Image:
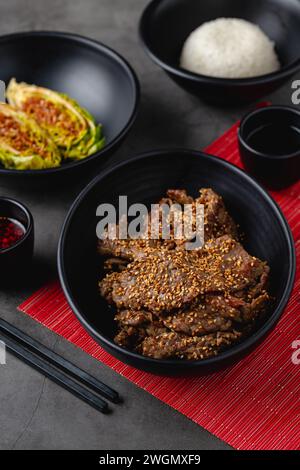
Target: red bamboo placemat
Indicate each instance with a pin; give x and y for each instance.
(252, 405)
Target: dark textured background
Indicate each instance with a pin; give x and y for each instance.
(35, 413)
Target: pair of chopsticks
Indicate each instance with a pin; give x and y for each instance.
(55, 367)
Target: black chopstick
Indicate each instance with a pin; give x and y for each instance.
(59, 362)
(60, 369)
(41, 365)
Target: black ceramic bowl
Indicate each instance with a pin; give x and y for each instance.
(145, 180)
(165, 25)
(90, 72)
(15, 260)
(269, 142)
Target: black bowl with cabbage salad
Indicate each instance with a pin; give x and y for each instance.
(41, 128)
(63, 109)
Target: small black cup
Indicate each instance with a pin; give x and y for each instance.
(14, 260)
(269, 143)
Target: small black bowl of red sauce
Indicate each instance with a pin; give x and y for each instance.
(269, 142)
(16, 239)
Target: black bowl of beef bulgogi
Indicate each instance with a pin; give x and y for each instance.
(160, 307)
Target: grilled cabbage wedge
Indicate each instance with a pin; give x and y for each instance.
(23, 144)
(72, 128)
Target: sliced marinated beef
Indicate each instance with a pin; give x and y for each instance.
(164, 282)
(213, 313)
(217, 223)
(174, 345)
(175, 303)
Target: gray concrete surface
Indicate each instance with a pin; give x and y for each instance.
(34, 412)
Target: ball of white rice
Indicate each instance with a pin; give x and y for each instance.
(229, 48)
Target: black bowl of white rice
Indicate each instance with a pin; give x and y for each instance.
(225, 51)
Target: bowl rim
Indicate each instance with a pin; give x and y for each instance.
(283, 72)
(228, 354)
(28, 230)
(265, 110)
(102, 48)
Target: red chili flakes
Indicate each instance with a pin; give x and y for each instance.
(11, 232)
